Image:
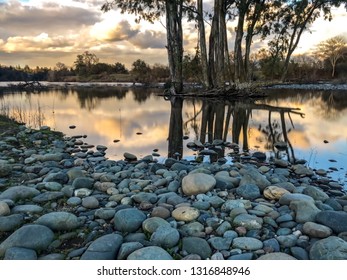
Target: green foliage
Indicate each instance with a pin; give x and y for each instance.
(140, 71)
(85, 62)
(10, 73)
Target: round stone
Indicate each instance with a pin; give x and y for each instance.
(4, 209)
(59, 221)
(248, 191)
(129, 156)
(90, 202)
(247, 243)
(197, 183)
(305, 211)
(165, 237)
(316, 230)
(274, 192)
(5, 170)
(331, 248)
(315, 193)
(40, 238)
(248, 221)
(185, 213)
(128, 220)
(161, 212)
(83, 182)
(152, 224)
(277, 256)
(196, 245)
(150, 253)
(336, 220)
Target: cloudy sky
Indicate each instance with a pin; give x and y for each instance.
(44, 32)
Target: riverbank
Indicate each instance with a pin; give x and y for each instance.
(305, 86)
(61, 198)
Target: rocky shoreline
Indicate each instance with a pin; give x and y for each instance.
(61, 198)
(311, 86)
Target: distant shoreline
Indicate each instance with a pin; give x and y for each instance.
(304, 86)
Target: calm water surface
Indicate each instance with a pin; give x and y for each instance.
(313, 123)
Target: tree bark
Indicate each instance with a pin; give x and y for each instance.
(202, 45)
(217, 45)
(238, 63)
(175, 138)
(175, 43)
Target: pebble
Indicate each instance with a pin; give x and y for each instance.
(196, 245)
(165, 237)
(185, 213)
(4, 209)
(128, 220)
(193, 184)
(77, 204)
(247, 243)
(103, 248)
(150, 253)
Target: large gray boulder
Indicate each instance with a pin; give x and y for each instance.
(336, 220)
(128, 220)
(331, 248)
(40, 238)
(197, 183)
(104, 248)
(150, 253)
(59, 221)
(19, 193)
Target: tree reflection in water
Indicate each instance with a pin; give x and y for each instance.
(220, 120)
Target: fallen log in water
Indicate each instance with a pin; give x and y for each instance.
(230, 92)
(27, 86)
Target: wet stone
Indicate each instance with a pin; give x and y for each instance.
(41, 238)
(128, 220)
(150, 253)
(247, 243)
(196, 245)
(11, 222)
(150, 225)
(59, 221)
(4, 209)
(17, 253)
(165, 237)
(104, 248)
(185, 213)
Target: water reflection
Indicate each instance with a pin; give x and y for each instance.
(302, 120)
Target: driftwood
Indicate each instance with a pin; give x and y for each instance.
(230, 92)
(27, 86)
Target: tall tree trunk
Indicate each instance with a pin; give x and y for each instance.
(247, 67)
(175, 43)
(202, 45)
(298, 29)
(240, 75)
(175, 144)
(217, 45)
(258, 10)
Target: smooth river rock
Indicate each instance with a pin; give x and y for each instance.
(336, 220)
(19, 193)
(197, 183)
(104, 248)
(128, 220)
(331, 248)
(40, 238)
(274, 192)
(316, 230)
(277, 256)
(185, 213)
(150, 253)
(59, 221)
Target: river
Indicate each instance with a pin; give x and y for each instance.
(312, 123)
